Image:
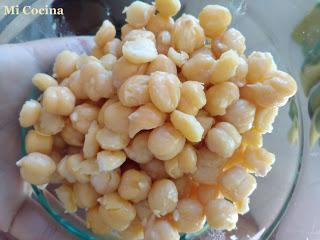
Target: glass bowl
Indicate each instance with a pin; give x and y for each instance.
(256, 20)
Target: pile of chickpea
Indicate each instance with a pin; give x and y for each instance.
(158, 132)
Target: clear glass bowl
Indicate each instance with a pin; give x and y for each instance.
(256, 20)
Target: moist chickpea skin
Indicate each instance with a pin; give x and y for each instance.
(106, 182)
(163, 42)
(110, 160)
(91, 145)
(179, 58)
(86, 196)
(110, 140)
(82, 116)
(66, 195)
(168, 8)
(106, 33)
(158, 23)
(138, 150)
(30, 113)
(65, 64)
(113, 47)
(95, 222)
(155, 169)
(36, 142)
(162, 64)
(42, 81)
(138, 14)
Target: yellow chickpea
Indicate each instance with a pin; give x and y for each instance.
(220, 97)
(157, 229)
(168, 8)
(243, 206)
(179, 58)
(113, 47)
(133, 232)
(30, 113)
(109, 140)
(236, 184)
(116, 212)
(76, 85)
(145, 117)
(106, 182)
(66, 195)
(163, 42)
(64, 171)
(264, 119)
(97, 52)
(95, 222)
(71, 169)
(58, 100)
(205, 193)
(172, 168)
(36, 142)
(138, 14)
(139, 51)
(102, 110)
(136, 34)
(91, 145)
(82, 116)
(138, 149)
(36, 168)
(163, 64)
(108, 60)
(86, 196)
(42, 81)
(221, 214)
(165, 142)
(49, 124)
(106, 33)
(164, 90)
(206, 121)
(134, 91)
(143, 211)
(84, 59)
(158, 23)
(187, 34)
(184, 186)
(252, 138)
(125, 29)
(110, 160)
(214, 19)
(72, 136)
(241, 73)
(65, 64)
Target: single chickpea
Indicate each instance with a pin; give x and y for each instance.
(65, 64)
(220, 97)
(106, 33)
(95, 222)
(91, 145)
(86, 196)
(125, 29)
(122, 69)
(82, 116)
(221, 214)
(172, 168)
(179, 58)
(158, 23)
(163, 197)
(133, 232)
(72, 136)
(187, 34)
(76, 85)
(49, 124)
(138, 14)
(116, 212)
(113, 47)
(163, 42)
(106, 182)
(138, 150)
(110, 160)
(252, 138)
(199, 68)
(136, 34)
(84, 59)
(225, 67)
(241, 115)
(64, 171)
(206, 193)
(264, 119)
(184, 186)
(30, 113)
(164, 90)
(241, 73)
(145, 117)
(102, 110)
(97, 52)
(165, 142)
(108, 60)
(188, 159)
(209, 166)
(42, 81)
(155, 169)
(36, 168)
(116, 117)
(243, 206)
(66, 195)
(87, 168)
(109, 140)
(36, 142)
(139, 51)
(236, 184)
(189, 216)
(58, 100)
(162, 64)
(143, 211)
(214, 19)
(168, 8)
(157, 229)
(206, 121)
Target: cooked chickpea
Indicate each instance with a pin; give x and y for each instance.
(163, 197)
(162, 64)
(36, 168)
(223, 139)
(97, 52)
(66, 195)
(58, 100)
(252, 138)
(72, 136)
(64, 171)
(236, 184)
(164, 90)
(143, 211)
(137, 34)
(84, 59)
(65, 64)
(42, 81)
(106, 33)
(172, 168)
(49, 124)
(187, 34)
(163, 42)
(157, 229)
(76, 86)
(30, 113)
(206, 121)
(221, 96)
(106, 182)
(205, 193)
(116, 212)
(91, 145)
(214, 19)
(113, 47)
(264, 119)
(95, 222)
(82, 116)
(108, 60)
(221, 214)
(189, 216)
(243, 206)
(241, 73)
(133, 232)
(138, 14)
(241, 115)
(155, 169)
(72, 170)
(36, 142)
(125, 29)
(116, 117)
(134, 91)
(168, 8)
(179, 58)
(158, 23)
(86, 196)
(87, 168)
(145, 117)
(102, 110)
(110, 160)
(184, 186)
(112, 141)
(138, 150)
(139, 51)
(165, 142)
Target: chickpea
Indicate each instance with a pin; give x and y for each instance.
(225, 67)
(221, 214)
(84, 59)
(116, 212)
(199, 68)
(58, 100)
(179, 58)
(184, 186)
(172, 168)
(95, 222)
(264, 119)
(86, 196)
(30, 113)
(125, 29)
(139, 51)
(133, 232)
(102, 110)
(42, 81)
(189, 216)
(163, 197)
(206, 121)
(155, 169)
(64, 171)
(158, 23)
(236, 184)
(116, 117)
(163, 42)
(136, 34)
(187, 34)
(252, 138)
(87, 168)
(134, 91)
(82, 116)
(113, 47)
(164, 90)
(66, 195)
(122, 69)
(192, 97)
(108, 60)
(106, 182)
(97, 52)
(49, 124)
(72, 170)
(241, 73)
(138, 149)
(203, 51)
(138, 14)
(65, 64)
(209, 166)
(168, 8)
(36, 168)
(106, 33)
(241, 115)
(214, 19)
(36, 142)
(109, 161)
(145, 117)
(143, 211)
(160, 230)
(91, 145)
(72, 136)
(162, 64)
(109, 140)
(243, 206)
(76, 85)
(206, 193)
